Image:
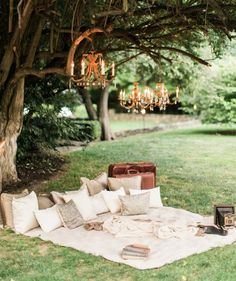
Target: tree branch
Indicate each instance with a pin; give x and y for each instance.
(23, 72)
(193, 57)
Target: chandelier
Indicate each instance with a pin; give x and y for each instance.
(148, 99)
(92, 71)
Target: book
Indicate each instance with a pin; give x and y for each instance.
(125, 252)
(135, 251)
(127, 257)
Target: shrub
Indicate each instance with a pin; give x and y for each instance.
(43, 125)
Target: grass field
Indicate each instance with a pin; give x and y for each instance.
(196, 169)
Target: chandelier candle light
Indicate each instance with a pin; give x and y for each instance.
(148, 99)
(92, 71)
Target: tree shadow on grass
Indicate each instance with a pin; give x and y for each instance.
(214, 131)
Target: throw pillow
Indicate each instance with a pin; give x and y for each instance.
(44, 202)
(112, 199)
(58, 197)
(155, 196)
(6, 205)
(70, 215)
(135, 204)
(99, 204)
(23, 212)
(97, 185)
(127, 183)
(48, 219)
(83, 203)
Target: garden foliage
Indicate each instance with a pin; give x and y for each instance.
(45, 125)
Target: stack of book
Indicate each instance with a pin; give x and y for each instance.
(135, 252)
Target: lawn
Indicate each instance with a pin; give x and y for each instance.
(196, 169)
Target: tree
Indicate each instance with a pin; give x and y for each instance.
(37, 37)
(211, 92)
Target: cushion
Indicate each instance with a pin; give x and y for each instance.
(58, 197)
(155, 196)
(70, 215)
(99, 204)
(135, 204)
(112, 199)
(23, 212)
(94, 187)
(6, 205)
(48, 219)
(83, 203)
(127, 183)
(44, 202)
(97, 185)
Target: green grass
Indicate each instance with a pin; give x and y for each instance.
(195, 169)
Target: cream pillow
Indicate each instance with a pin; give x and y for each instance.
(99, 204)
(58, 197)
(83, 203)
(48, 219)
(155, 196)
(97, 185)
(44, 202)
(6, 206)
(135, 204)
(112, 199)
(127, 183)
(23, 212)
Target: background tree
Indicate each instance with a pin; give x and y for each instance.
(36, 36)
(211, 92)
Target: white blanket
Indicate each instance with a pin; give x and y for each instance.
(169, 232)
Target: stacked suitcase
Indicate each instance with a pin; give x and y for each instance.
(147, 170)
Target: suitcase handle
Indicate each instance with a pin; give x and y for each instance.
(132, 171)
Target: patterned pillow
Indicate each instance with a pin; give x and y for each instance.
(70, 215)
(135, 204)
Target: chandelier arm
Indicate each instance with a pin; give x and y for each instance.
(75, 44)
(123, 104)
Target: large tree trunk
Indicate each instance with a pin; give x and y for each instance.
(12, 91)
(104, 116)
(92, 114)
(11, 124)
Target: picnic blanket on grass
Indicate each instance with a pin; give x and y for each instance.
(169, 232)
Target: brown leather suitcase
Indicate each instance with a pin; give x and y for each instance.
(147, 170)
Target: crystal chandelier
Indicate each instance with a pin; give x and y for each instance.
(159, 97)
(92, 71)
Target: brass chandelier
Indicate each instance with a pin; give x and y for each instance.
(148, 99)
(92, 71)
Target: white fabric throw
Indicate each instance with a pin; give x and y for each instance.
(124, 226)
(169, 223)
